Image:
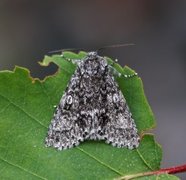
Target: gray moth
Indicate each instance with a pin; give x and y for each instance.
(92, 107)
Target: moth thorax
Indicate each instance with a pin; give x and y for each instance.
(95, 67)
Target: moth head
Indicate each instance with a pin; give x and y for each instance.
(92, 55)
(94, 65)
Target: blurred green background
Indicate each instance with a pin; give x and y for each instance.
(30, 29)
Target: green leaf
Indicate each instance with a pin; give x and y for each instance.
(26, 109)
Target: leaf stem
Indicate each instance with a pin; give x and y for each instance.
(171, 170)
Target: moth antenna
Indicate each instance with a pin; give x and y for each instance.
(116, 46)
(88, 49)
(67, 49)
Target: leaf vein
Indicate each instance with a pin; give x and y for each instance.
(111, 168)
(104, 164)
(2, 110)
(22, 110)
(20, 167)
(145, 162)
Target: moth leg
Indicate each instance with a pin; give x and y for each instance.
(129, 75)
(114, 62)
(74, 61)
(113, 71)
(118, 74)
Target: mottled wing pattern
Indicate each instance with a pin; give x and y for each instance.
(92, 107)
(120, 129)
(66, 129)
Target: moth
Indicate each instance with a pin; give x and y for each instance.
(92, 107)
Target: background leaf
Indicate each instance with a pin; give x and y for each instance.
(26, 109)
